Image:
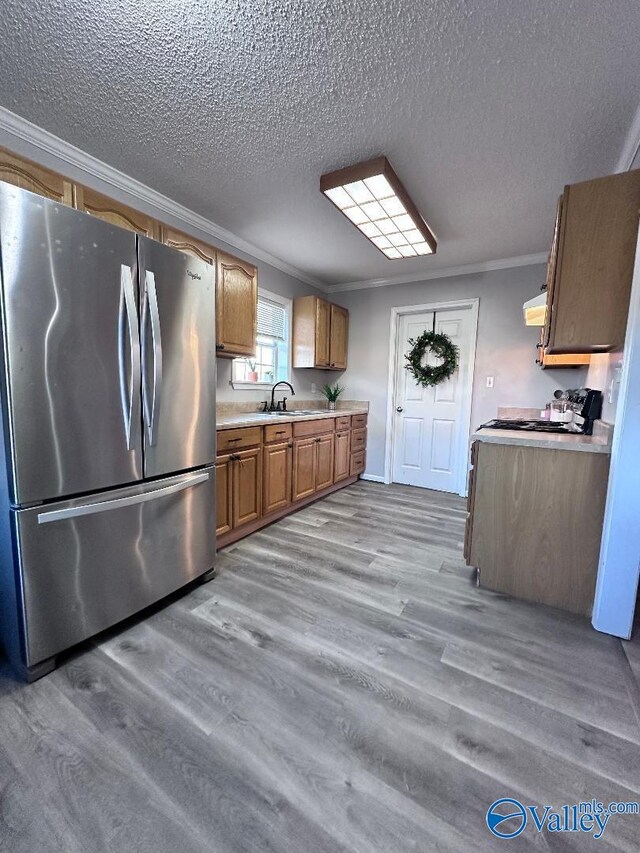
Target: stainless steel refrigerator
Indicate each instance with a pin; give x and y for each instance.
(108, 415)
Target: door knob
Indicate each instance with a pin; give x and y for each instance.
(399, 409)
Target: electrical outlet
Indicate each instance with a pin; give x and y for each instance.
(490, 381)
(314, 390)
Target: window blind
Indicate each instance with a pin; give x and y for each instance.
(272, 319)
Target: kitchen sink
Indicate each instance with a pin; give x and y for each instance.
(294, 413)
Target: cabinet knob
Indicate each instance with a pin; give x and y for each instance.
(290, 444)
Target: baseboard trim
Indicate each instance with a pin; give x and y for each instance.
(372, 478)
(253, 526)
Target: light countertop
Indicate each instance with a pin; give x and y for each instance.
(258, 418)
(547, 440)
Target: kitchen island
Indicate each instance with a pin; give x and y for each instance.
(535, 511)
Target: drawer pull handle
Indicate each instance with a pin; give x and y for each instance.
(232, 440)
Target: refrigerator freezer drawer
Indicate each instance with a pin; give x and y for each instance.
(86, 564)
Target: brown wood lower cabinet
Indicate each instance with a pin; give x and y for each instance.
(265, 473)
(304, 468)
(341, 456)
(312, 465)
(324, 462)
(276, 477)
(238, 489)
(224, 521)
(535, 522)
(247, 486)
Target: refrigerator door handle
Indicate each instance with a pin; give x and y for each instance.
(119, 503)
(128, 327)
(151, 313)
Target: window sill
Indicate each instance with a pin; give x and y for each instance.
(251, 386)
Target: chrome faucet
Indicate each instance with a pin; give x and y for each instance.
(273, 407)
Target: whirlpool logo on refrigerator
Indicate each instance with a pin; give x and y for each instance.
(194, 275)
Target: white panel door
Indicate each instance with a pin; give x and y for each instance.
(427, 436)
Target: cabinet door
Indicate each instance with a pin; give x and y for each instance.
(323, 323)
(339, 326)
(223, 495)
(188, 245)
(247, 486)
(105, 208)
(304, 468)
(550, 280)
(29, 176)
(598, 233)
(342, 453)
(531, 547)
(276, 477)
(236, 307)
(324, 462)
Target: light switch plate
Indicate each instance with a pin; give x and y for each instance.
(490, 381)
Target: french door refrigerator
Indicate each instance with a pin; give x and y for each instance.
(108, 414)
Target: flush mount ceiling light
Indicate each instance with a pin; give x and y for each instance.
(371, 196)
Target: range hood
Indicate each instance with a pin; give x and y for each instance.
(535, 310)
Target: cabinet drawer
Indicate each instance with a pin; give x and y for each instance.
(358, 421)
(234, 439)
(343, 422)
(358, 439)
(357, 462)
(277, 432)
(313, 427)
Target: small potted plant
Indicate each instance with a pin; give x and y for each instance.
(332, 392)
(252, 373)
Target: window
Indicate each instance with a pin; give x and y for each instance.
(271, 363)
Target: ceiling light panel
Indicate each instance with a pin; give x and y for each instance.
(373, 198)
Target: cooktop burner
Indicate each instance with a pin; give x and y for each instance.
(528, 426)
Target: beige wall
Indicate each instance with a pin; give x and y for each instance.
(506, 348)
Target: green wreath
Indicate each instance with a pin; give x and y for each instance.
(440, 345)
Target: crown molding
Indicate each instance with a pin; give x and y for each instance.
(445, 272)
(31, 141)
(15, 129)
(631, 146)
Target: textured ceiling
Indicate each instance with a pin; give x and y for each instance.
(485, 109)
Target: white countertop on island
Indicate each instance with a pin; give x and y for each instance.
(599, 443)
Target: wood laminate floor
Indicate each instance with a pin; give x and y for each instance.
(341, 686)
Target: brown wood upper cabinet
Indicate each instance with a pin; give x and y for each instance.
(29, 176)
(105, 208)
(236, 307)
(591, 265)
(338, 337)
(189, 245)
(320, 334)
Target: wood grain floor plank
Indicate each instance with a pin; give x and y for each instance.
(342, 687)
